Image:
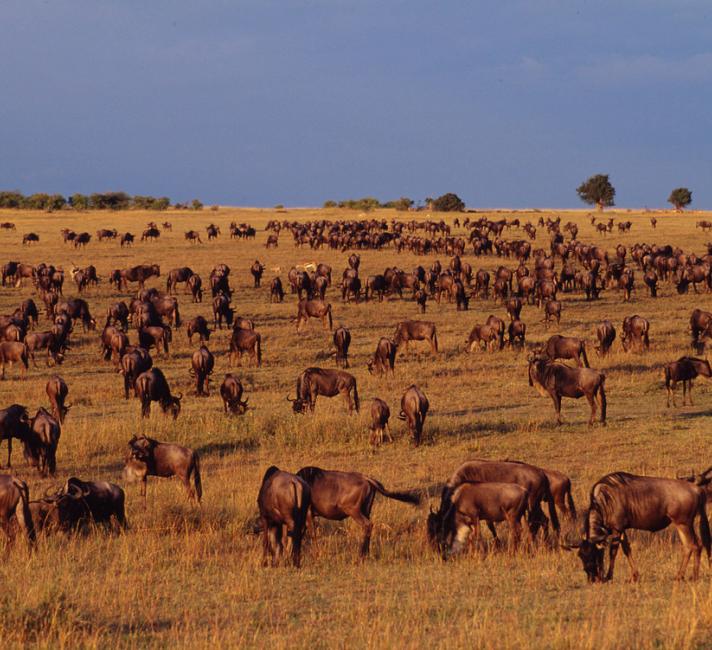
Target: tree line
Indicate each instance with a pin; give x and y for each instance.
(96, 201)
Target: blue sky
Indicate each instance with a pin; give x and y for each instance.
(258, 102)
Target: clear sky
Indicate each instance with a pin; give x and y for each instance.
(259, 102)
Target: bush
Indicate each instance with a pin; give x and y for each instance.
(11, 199)
(448, 203)
(598, 191)
(79, 201)
(329, 204)
(680, 197)
(196, 205)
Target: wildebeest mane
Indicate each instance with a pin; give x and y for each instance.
(270, 471)
(310, 473)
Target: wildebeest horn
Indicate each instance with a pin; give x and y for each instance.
(290, 400)
(179, 396)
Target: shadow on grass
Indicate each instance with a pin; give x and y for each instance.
(224, 448)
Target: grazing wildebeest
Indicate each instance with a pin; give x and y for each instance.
(635, 333)
(329, 383)
(384, 358)
(337, 495)
(272, 241)
(139, 274)
(30, 238)
(195, 285)
(242, 341)
(351, 288)
(699, 323)
(685, 369)
(152, 386)
(213, 231)
(472, 502)
(498, 324)
(202, 363)
(148, 457)
(41, 441)
(82, 239)
(486, 335)
(28, 310)
(375, 284)
(150, 234)
(283, 501)
(416, 330)
(622, 501)
(566, 347)
(12, 352)
(307, 309)
(342, 341)
(552, 312)
(193, 237)
(241, 323)
(606, 334)
(118, 313)
(156, 336)
(517, 334)
(257, 269)
(557, 380)
(231, 393)
(222, 310)
(46, 341)
(127, 239)
(513, 307)
(380, 414)
(181, 274)
(414, 409)
(199, 326)
(57, 391)
(77, 309)
(135, 361)
(14, 506)
(276, 290)
(113, 344)
(102, 502)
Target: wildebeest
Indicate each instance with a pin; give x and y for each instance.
(57, 391)
(181, 274)
(14, 506)
(257, 269)
(283, 501)
(552, 312)
(30, 238)
(606, 334)
(77, 309)
(307, 309)
(384, 358)
(699, 323)
(155, 336)
(245, 341)
(635, 333)
(380, 414)
(139, 274)
(14, 423)
(337, 495)
(201, 367)
(342, 341)
(102, 502)
(46, 341)
(685, 369)
(414, 409)
(222, 310)
(621, 501)
(149, 457)
(557, 380)
(41, 441)
(517, 334)
(486, 335)
(193, 237)
(12, 352)
(135, 361)
(566, 347)
(127, 239)
(150, 234)
(327, 382)
(416, 330)
(276, 290)
(231, 393)
(213, 231)
(199, 326)
(152, 386)
(195, 285)
(118, 313)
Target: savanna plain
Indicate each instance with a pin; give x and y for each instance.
(188, 576)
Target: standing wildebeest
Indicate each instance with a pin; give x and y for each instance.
(118, 313)
(272, 241)
(202, 363)
(30, 238)
(150, 234)
(41, 442)
(498, 324)
(380, 414)
(231, 393)
(199, 326)
(558, 380)
(151, 386)
(181, 274)
(342, 341)
(486, 335)
(127, 239)
(284, 501)
(685, 369)
(245, 340)
(622, 501)
(14, 423)
(148, 457)
(337, 495)
(635, 333)
(12, 352)
(566, 347)
(384, 358)
(257, 269)
(699, 323)
(329, 383)
(82, 239)
(222, 310)
(606, 334)
(139, 274)
(552, 312)
(102, 502)
(213, 231)
(307, 309)
(193, 237)
(195, 285)
(276, 290)
(135, 361)
(416, 330)
(156, 336)
(46, 341)
(414, 409)
(517, 334)
(57, 391)
(77, 309)
(14, 505)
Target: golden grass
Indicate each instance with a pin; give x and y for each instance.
(188, 577)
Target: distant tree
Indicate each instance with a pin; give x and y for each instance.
(37, 201)
(329, 204)
(12, 199)
(161, 203)
(196, 205)
(55, 202)
(448, 203)
(279, 206)
(597, 191)
(402, 204)
(79, 201)
(680, 197)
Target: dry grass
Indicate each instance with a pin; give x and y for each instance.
(183, 576)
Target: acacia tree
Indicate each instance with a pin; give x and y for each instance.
(597, 191)
(680, 197)
(449, 202)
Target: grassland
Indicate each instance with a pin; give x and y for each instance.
(184, 576)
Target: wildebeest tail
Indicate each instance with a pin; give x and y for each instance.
(328, 313)
(23, 514)
(583, 354)
(357, 403)
(258, 347)
(570, 503)
(196, 478)
(406, 497)
(435, 340)
(602, 397)
(177, 313)
(552, 511)
(705, 527)
(666, 373)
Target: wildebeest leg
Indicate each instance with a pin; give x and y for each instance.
(515, 527)
(347, 396)
(492, 530)
(689, 391)
(671, 391)
(592, 403)
(556, 398)
(634, 576)
(367, 526)
(387, 429)
(612, 552)
(690, 545)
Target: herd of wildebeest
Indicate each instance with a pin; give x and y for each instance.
(492, 491)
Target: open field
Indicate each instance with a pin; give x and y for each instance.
(186, 576)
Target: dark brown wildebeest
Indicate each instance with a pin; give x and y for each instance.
(329, 383)
(14, 423)
(416, 330)
(28, 311)
(414, 409)
(9, 272)
(283, 501)
(621, 501)
(351, 288)
(222, 310)
(167, 225)
(651, 281)
(517, 334)
(201, 367)
(155, 336)
(552, 312)
(337, 495)
(151, 386)
(77, 309)
(135, 361)
(560, 488)
(635, 333)
(342, 341)
(487, 336)
(375, 284)
(276, 290)
(384, 358)
(606, 334)
(498, 324)
(193, 236)
(41, 441)
(231, 393)
(82, 239)
(213, 231)
(199, 326)
(12, 352)
(14, 506)
(46, 341)
(699, 323)
(118, 313)
(421, 298)
(102, 503)
(23, 272)
(30, 238)
(514, 308)
(148, 457)
(150, 234)
(105, 233)
(195, 285)
(181, 274)
(380, 414)
(566, 347)
(127, 239)
(241, 323)
(685, 369)
(272, 241)
(307, 309)
(139, 274)
(245, 341)
(257, 269)
(109, 348)
(7, 225)
(321, 284)
(482, 280)
(167, 308)
(470, 503)
(57, 391)
(557, 380)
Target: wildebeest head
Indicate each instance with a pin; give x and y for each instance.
(173, 406)
(298, 405)
(591, 555)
